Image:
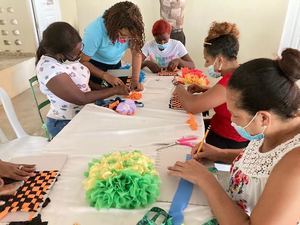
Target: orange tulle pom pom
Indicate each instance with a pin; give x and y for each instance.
(135, 95)
(193, 76)
(192, 122)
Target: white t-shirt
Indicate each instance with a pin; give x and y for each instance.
(46, 69)
(174, 50)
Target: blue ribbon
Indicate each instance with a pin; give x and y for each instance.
(181, 199)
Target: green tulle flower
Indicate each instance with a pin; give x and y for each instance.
(211, 222)
(122, 180)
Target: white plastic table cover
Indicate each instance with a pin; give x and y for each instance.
(97, 130)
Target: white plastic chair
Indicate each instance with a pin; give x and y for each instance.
(24, 143)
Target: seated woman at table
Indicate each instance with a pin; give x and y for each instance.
(163, 52)
(264, 100)
(106, 40)
(221, 48)
(63, 79)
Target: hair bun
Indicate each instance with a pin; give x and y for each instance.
(218, 29)
(290, 63)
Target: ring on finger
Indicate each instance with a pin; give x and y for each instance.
(20, 167)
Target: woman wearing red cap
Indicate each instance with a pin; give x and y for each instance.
(163, 52)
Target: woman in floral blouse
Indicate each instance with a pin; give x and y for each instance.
(264, 101)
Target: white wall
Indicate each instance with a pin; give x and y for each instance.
(260, 22)
(69, 12)
(291, 31)
(21, 12)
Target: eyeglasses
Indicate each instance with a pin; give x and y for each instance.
(77, 57)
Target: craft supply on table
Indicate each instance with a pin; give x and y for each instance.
(181, 199)
(135, 95)
(35, 221)
(203, 140)
(186, 141)
(31, 196)
(175, 103)
(122, 106)
(192, 76)
(192, 122)
(167, 73)
(126, 180)
(126, 107)
(154, 216)
(168, 157)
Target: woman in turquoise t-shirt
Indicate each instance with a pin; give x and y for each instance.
(108, 37)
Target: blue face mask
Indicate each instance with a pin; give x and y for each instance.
(211, 71)
(245, 134)
(162, 46)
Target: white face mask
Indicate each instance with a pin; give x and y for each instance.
(211, 71)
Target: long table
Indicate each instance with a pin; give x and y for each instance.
(95, 131)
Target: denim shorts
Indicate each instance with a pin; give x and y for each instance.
(55, 126)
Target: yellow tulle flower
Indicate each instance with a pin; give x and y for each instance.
(109, 165)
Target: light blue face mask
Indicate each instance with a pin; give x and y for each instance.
(162, 46)
(245, 134)
(211, 71)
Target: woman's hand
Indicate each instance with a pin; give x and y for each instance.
(208, 152)
(9, 189)
(155, 68)
(136, 86)
(114, 81)
(122, 90)
(173, 64)
(195, 88)
(192, 171)
(16, 171)
(179, 89)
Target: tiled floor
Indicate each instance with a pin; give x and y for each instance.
(27, 114)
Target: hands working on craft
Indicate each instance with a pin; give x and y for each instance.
(155, 68)
(122, 89)
(207, 153)
(195, 88)
(136, 86)
(193, 170)
(114, 81)
(18, 172)
(174, 64)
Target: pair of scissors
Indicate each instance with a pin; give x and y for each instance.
(186, 141)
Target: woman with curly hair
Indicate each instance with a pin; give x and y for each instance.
(108, 37)
(221, 48)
